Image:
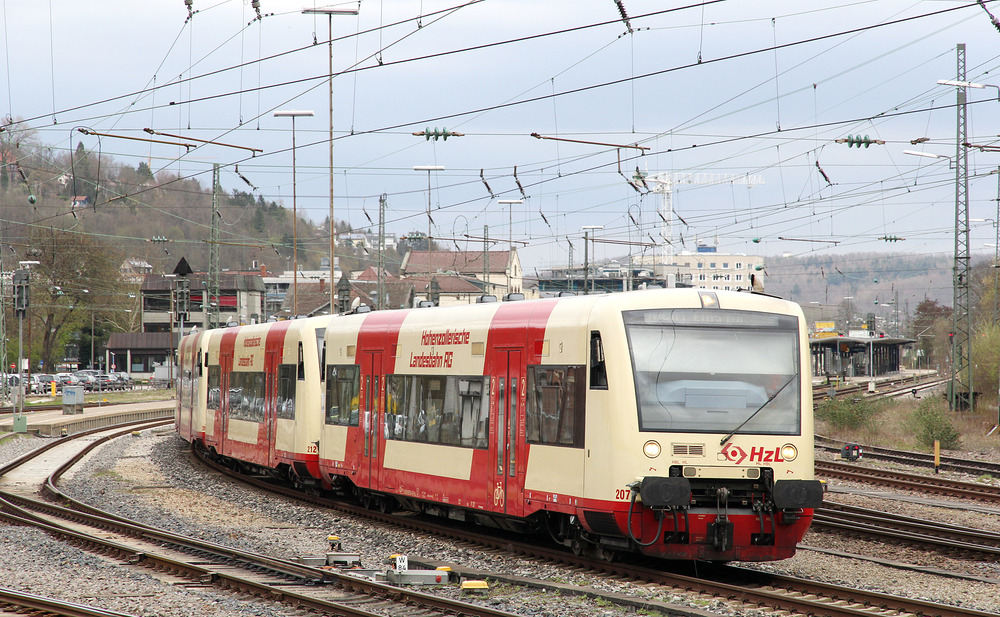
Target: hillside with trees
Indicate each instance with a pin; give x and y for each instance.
(82, 215)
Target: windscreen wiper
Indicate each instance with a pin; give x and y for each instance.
(766, 403)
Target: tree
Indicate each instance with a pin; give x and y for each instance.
(930, 326)
(84, 174)
(77, 277)
(144, 173)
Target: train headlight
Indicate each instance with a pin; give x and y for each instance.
(651, 448)
(789, 452)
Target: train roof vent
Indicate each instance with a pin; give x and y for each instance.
(688, 449)
(565, 294)
(425, 304)
(513, 297)
(486, 298)
(362, 308)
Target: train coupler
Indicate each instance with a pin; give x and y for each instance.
(721, 533)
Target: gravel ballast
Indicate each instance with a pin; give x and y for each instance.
(151, 478)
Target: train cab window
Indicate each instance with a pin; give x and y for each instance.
(285, 403)
(451, 410)
(343, 394)
(727, 371)
(598, 371)
(214, 387)
(555, 405)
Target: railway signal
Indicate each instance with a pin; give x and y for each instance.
(21, 300)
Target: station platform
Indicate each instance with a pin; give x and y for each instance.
(901, 376)
(53, 423)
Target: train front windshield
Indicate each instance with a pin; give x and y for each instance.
(714, 371)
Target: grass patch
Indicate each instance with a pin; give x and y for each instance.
(126, 396)
(852, 413)
(8, 437)
(933, 423)
(897, 427)
(108, 473)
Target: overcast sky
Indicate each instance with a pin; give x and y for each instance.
(749, 95)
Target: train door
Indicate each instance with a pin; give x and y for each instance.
(271, 362)
(506, 454)
(371, 397)
(222, 414)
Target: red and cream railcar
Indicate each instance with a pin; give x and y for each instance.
(189, 417)
(676, 423)
(257, 395)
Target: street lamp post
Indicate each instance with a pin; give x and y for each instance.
(330, 12)
(968, 84)
(929, 155)
(510, 203)
(428, 169)
(586, 255)
(293, 114)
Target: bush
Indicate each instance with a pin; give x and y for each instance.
(933, 424)
(849, 413)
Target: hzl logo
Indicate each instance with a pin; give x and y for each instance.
(736, 454)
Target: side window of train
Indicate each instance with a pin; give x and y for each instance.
(302, 363)
(555, 406)
(235, 399)
(451, 410)
(214, 387)
(285, 404)
(598, 372)
(343, 390)
(246, 396)
(321, 347)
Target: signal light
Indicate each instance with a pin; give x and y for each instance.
(21, 292)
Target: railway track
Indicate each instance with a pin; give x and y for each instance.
(19, 603)
(305, 588)
(917, 459)
(735, 584)
(924, 484)
(951, 540)
(892, 389)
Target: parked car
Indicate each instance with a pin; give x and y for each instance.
(68, 379)
(87, 380)
(125, 379)
(108, 381)
(41, 383)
